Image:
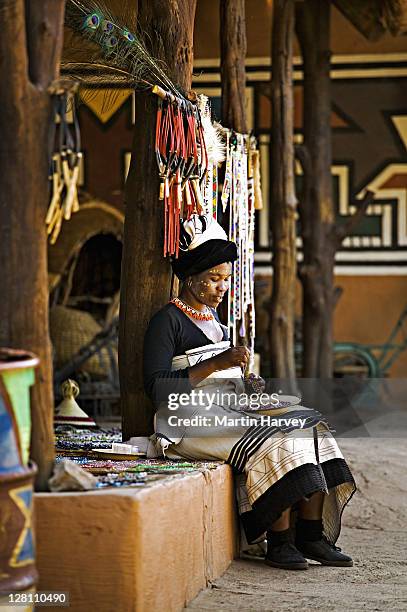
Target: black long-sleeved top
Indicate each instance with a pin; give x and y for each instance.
(170, 333)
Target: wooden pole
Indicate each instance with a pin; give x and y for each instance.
(233, 47)
(30, 50)
(146, 277)
(316, 208)
(321, 236)
(283, 200)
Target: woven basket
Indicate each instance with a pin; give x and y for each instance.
(70, 330)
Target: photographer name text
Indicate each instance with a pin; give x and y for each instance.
(200, 420)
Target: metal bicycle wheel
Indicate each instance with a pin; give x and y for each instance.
(351, 360)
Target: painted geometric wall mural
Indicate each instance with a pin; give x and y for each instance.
(369, 137)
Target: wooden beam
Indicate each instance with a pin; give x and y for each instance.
(232, 66)
(233, 48)
(283, 199)
(30, 47)
(146, 276)
(316, 207)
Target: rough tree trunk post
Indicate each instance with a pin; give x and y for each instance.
(283, 200)
(30, 49)
(233, 49)
(321, 236)
(146, 277)
(316, 208)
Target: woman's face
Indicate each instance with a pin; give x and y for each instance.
(210, 286)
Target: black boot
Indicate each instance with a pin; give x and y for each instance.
(311, 542)
(282, 553)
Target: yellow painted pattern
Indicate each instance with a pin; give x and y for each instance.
(26, 512)
(104, 103)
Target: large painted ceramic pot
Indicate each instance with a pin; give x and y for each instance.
(17, 554)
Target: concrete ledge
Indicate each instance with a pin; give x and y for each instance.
(146, 549)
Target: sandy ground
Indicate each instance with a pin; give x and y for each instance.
(374, 533)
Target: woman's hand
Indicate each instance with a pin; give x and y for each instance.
(235, 356)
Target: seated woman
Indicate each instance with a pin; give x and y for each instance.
(289, 475)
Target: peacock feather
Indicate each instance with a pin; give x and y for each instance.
(119, 57)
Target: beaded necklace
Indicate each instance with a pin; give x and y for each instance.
(195, 314)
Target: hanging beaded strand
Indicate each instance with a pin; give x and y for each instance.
(215, 191)
(250, 256)
(235, 203)
(189, 184)
(182, 163)
(215, 149)
(238, 191)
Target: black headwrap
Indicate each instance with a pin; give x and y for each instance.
(205, 256)
(214, 250)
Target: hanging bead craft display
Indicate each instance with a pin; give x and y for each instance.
(215, 147)
(120, 52)
(64, 172)
(254, 173)
(189, 145)
(238, 193)
(254, 202)
(182, 163)
(189, 148)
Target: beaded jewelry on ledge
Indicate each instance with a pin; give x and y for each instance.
(195, 314)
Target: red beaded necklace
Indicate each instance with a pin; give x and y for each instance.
(195, 314)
